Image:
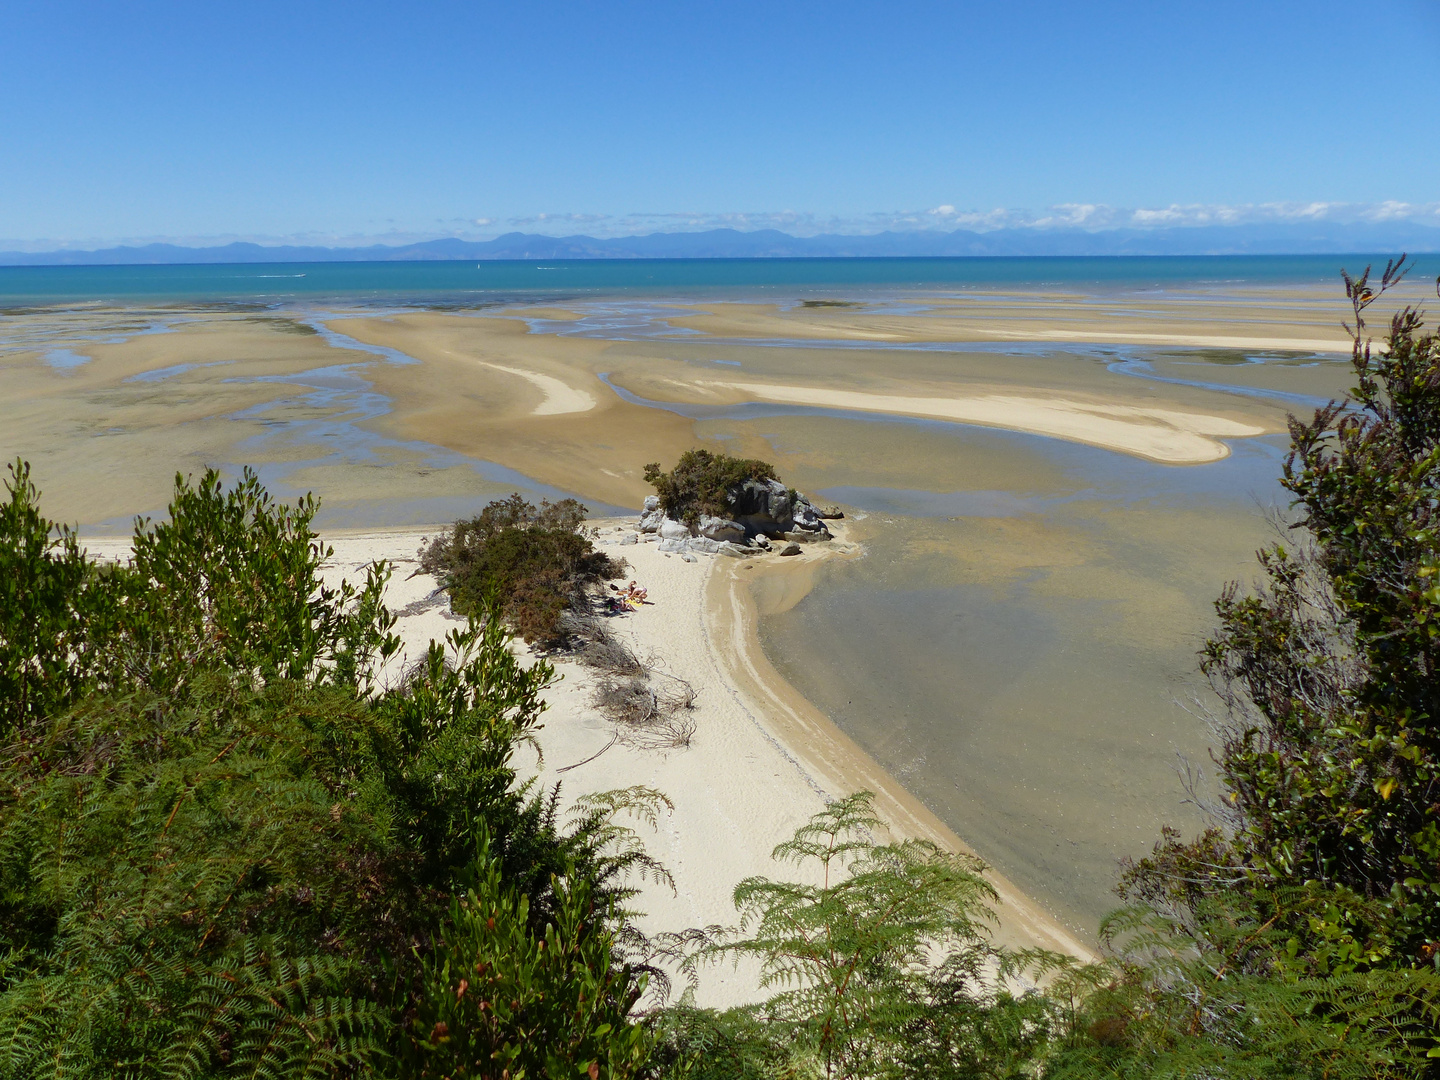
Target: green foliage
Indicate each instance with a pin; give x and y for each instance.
(1301, 936)
(231, 581)
(48, 609)
(882, 961)
(1219, 997)
(737, 1044)
(538, 563)
(503, 1000)
(226, 848)
(1332, 757)
(701, 483)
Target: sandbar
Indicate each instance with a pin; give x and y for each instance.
(560, 398)
(1303, 319)
(1165, 435)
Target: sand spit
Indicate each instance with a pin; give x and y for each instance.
(474, 393)
(762, 759)
(1165, 435)
(560, 397)
(827, 757)
(757, 742)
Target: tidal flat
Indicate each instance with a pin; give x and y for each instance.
(1017, 644)
(1021, 650)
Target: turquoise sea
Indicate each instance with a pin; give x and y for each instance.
(478, 283)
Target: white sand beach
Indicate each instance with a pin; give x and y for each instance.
(761, 761)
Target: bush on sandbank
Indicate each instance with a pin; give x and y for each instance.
(539, 562)
(703, 482)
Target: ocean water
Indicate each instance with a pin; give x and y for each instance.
(470, 283)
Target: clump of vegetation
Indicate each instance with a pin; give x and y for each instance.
(701, 483)
(651, 710)
(538, 567)
(829, 303)
(228, 848)
(284, 325)
(881, 964)
(537, 563)
(1305, 926)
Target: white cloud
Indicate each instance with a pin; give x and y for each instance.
(548, 219)
(1089, 217)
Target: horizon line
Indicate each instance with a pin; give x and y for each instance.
(1275, 239)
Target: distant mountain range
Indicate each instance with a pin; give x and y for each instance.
(1318, 238)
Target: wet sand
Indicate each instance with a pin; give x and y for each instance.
(486, 388)
(109, 404)
(1201, 316)
(1014, 641)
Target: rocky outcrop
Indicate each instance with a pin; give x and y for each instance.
(714, 528)
(760, 510)
(704, 545)
(652, 516)
(769, 508)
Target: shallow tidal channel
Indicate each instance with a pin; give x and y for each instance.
(1019, 645)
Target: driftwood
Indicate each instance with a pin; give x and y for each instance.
(649, 707)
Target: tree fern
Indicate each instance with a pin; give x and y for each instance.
(226, 849)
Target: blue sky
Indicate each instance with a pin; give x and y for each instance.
(328, 121)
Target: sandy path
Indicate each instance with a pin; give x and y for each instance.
(1165, 435)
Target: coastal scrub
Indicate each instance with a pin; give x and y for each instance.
(536, 563)
(228, 848)
(703, 483)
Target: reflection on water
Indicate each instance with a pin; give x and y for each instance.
(879, 500)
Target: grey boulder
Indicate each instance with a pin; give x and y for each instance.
(768, 507)
(716, 528)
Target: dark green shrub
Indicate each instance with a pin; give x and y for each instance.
(537, 563)
(225, 847)
(1330, 747)
(50, 610)
(503, 1000)
(1301, 936)
(701, 483)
